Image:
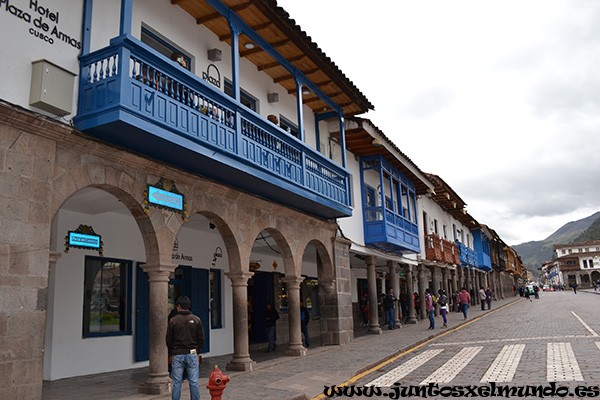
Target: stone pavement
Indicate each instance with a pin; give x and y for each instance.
(276, 377)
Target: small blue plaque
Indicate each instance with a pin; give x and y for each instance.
(82, 240)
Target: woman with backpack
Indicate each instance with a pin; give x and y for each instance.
(443, 302)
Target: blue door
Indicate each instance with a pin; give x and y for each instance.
(191, 282)
(142, 315)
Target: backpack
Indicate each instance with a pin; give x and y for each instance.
(434, 300)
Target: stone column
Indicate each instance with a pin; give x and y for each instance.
(241, 360)
(435, 283)
(295, 347)
(158, 381)
(374, 327)
(395, 281)
(446, 285)
(411, 319)
(422, 287)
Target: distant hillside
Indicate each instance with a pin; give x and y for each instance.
(536, 252)
(591, 233)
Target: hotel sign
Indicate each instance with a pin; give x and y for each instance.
(163, 198)
(164, 194)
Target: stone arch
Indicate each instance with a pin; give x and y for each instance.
(156, 227)
(327, 269)
(228, 236)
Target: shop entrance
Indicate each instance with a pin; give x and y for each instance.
(185, 281)
(260, 292)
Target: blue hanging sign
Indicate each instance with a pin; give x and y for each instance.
(164, 194)
(164, 198)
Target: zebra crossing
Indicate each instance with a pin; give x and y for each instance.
(561, 364)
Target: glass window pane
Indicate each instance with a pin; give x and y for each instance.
(105, 296)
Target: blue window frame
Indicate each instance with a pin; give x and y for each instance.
(106, 297)
(288, 126)
(245, 98)
(216, 304)
(163, 46)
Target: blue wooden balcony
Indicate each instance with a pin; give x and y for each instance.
(390, 228)
(481, 244)
(390, 232)
(132, 96)
(467, 256)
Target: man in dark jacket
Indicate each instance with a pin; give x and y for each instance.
(185, 338)
(389, 306)
(304, 319)
(271, 317)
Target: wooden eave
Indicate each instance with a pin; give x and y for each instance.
(360, 142)
(276, 27)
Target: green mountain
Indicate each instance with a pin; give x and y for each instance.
(591, 233)
(535, 252)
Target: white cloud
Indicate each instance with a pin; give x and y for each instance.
(499, 98)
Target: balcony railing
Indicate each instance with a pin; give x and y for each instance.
(439, 249)
(467, 256)
(389, 231)
(133, 96)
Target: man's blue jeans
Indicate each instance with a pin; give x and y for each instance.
(271, 336)
(391, 317)
(305, 333)
(188, 362)
(465, 307)
(431, 320)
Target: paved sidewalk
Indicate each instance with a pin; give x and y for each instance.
(280, 378)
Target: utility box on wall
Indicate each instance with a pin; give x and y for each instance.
(51, 88)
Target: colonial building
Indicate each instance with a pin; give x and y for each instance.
(579, 262)
(158, 148)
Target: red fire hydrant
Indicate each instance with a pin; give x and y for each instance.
(217, 382)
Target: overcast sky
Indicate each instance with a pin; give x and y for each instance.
(499, 98)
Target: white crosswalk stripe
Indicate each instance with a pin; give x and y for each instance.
(561, 364)
(453, 366)
(404, 369)
(505, 365)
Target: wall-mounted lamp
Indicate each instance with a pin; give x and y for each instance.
(249, 45)
(273, 97)
(211, 225)
(377, 143)
(305, 92)
(217, 254)
(215, 55)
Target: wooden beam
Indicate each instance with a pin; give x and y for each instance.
(254, 28)
(331, 96)
(173, 2)
(290, 76)
(216, 15)
(276, 64)
(258, 49)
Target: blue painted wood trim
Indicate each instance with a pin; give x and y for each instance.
(235, 29)
(256, 38)
(126, 14)
(299, 107)
(342, 137)
(86, 28)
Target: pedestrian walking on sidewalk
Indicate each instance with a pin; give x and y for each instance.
(482, 298)
(389, 306)
(271, 317)
(443, 302)
(575, 288)
(464, 298)
(488, 298)
(304, 320)
(429, 307)
(526, 291)
(185, 338)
